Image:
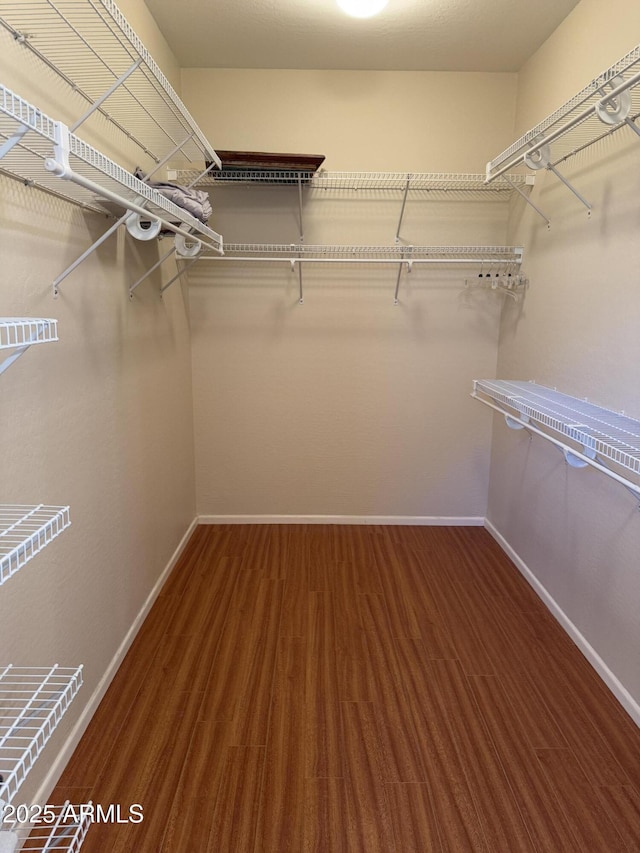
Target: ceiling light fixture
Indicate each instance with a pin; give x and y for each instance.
(362, 8)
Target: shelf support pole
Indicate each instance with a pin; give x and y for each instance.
(97, 104)
(9, 360)
(151, 270)
(395, 296)
(570, 187)
(202, 174)
(528, 200)
(634, 127)
(300, 294)
(404, 203)
(187, 264)
(13, 140)
(300, 208)
(115, 226)
(34, 337)
(58, 281)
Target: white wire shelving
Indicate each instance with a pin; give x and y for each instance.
(604, 436)
(19, 333)
(33, 700)
(25, 531)
(507, 259)
(90, 45)
(432, 182)
(421, 186)
(295, 253)
(42, 152)
(60, 829)
(607, 104)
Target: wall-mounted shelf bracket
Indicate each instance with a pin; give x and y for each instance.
(13, 140)
(402, 209)
(181, 270)
(25, 531)
(300, 208)
(99, 101)
(528, 200)
(570, 187)
(19, 333)
(409, 265)
(602, 435)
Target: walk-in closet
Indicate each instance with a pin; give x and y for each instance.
(320, 426)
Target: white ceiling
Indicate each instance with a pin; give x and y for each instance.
(431, 35)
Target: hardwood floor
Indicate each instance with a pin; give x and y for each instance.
(325, 689)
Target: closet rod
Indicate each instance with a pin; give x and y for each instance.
(408, 261)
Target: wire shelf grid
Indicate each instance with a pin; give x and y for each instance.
(90, 44)
(575, 125)
(25, 531)
(33, 700)
(385, 254)
(25, 331)
(613, 436)
(440, 182)
(60, 828)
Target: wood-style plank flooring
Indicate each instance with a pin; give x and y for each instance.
(325, 689)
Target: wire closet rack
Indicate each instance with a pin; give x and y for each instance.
(90, 46)
(95, 50)
(609, 103)
(41, 151)
(603, 436)
(505, 258)
(25, 531)
(428, 182)
(32, 702)
(59, 829)
(432, 186)
(19, 333)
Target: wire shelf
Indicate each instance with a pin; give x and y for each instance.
(25, 531)
(25, 331)
(25, 157)
(576, 125)
(32, 702)
(600, 431)
(383, 254)
(60, 828)
(90, 44)
(440, 182)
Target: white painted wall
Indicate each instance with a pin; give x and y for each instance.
(347, 405)
(577, 530)
(100, 420)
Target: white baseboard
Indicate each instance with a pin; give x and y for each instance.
(62, 759)
(416, 520)
(617, 688)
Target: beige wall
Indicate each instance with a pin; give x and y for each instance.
(577, 530)
(100, 420)
(360, 120)
(346, 405)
